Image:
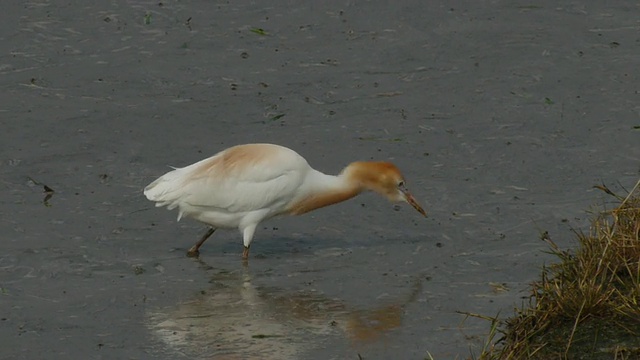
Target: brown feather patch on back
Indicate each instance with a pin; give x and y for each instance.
(234, 160)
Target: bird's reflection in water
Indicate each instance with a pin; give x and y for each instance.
(236, 320)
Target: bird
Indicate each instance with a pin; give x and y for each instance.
(243, 185)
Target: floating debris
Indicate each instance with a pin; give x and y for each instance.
(378, 138)
(258, 31)
(274, 118)
(498, 287)
(47, 191)
(264, 336)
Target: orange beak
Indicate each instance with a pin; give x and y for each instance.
(412, 201)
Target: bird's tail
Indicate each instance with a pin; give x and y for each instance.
(165, 191)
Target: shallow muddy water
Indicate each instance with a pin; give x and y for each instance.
(501, 116)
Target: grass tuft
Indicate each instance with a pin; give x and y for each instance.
(586, 306)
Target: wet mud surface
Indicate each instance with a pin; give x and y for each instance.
(502, 117)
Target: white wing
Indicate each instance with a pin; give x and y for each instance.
(238, 180)
(261, 187)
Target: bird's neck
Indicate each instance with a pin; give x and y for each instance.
(321, 190)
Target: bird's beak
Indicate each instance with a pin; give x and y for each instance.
(412, 201)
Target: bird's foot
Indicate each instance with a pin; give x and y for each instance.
(193, 252)
(245, 254)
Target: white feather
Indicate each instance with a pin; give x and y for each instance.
(225, 198)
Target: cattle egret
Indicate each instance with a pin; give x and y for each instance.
(243, 185)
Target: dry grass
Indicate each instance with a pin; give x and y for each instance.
(587, 306)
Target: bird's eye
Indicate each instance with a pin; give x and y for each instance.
(401, 184)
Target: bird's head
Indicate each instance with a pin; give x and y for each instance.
(383, 178)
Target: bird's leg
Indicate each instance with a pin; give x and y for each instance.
(195, 249)
(247, 236)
